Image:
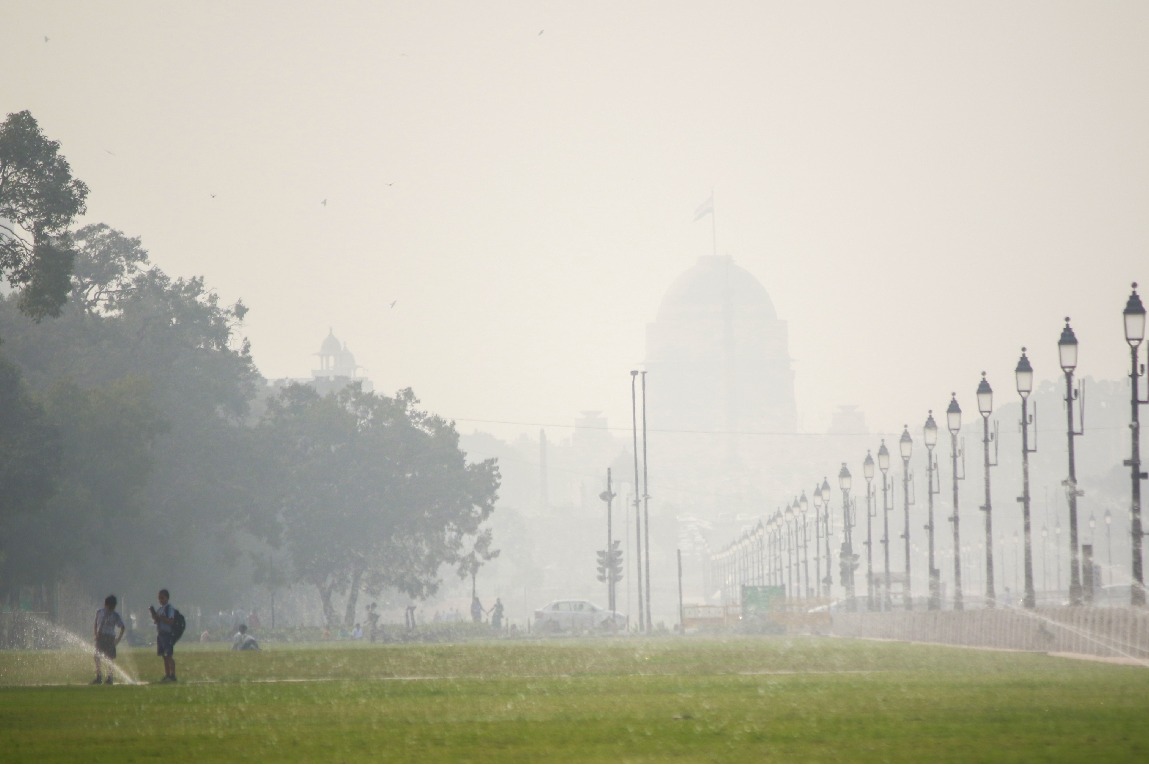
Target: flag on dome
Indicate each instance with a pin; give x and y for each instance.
(706, 208)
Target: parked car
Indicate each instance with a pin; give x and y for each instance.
(577, 617)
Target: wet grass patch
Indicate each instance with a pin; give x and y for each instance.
(770, 699)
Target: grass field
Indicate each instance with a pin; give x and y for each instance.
(769, 699)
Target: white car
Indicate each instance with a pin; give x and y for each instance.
(577, 617)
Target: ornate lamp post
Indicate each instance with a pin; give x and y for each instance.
(953, 423)
(930, 437)
(1109, 540)
(1134, 334)
(847, 559)
(1024, 375)
(985, 407)
(803, 506)
(887, 506)
(825, 490)
(868, 472)
(788, 517)
(1067, 351)
(819, 532)
(906, 446)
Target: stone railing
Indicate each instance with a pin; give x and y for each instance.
(1103, 632)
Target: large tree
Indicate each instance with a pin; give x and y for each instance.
(371, 492)
(155, 363)
(39, 199)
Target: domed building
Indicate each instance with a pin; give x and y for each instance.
(718, 355)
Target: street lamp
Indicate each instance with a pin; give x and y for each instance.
(985, 407)
(1109, 540)
(788, 518)
(1134, 334)
(819, 532)
(887, 506)
(1024, 375)
(610, 562)
(906, 446)
(803, 506)
(847, 560)
(1067, 352)
(825, 490)
(868, 472)
(953, 423)
(930, 437)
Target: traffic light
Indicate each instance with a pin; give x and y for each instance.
(610, 563)
(616, 560)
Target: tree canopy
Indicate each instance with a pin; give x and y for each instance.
(371, 491)
(39, 199)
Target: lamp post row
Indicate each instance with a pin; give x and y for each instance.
(1067, 346)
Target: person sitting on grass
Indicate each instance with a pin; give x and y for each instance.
(109, 629)
(244, 641)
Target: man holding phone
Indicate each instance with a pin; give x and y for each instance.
(165, 646)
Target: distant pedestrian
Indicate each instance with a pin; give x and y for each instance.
(497, 614)
(108, 629)
(372, 621)
(476, 609)
(165, 646)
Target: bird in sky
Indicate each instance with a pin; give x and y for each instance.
(213, 196)
(324, 202)
(45, 38)
(393, 303)
(541, 32)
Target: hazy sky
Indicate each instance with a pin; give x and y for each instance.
(922, 187)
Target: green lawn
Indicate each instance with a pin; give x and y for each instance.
(610, 700)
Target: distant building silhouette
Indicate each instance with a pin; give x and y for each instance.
(337, 369)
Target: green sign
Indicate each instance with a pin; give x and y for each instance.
(760, 600)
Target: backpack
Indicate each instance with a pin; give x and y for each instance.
(179, 624)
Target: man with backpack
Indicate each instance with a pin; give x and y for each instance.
(168, 628)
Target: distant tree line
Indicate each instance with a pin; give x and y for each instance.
(139, 444)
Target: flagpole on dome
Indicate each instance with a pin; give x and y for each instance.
(713, 224)
(707, 209)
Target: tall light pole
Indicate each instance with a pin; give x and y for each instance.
(1024, 375)
(646, 507)
(847, 560)
(985, 407)
(825, 490)
(1067, 351)
(1134, 334)
(637, 497)
(953, 423)
(906, 446)
(930, 437)
(868, 472)
(887, 506)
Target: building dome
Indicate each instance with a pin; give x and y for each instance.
(708, 285)
(331, 345)
(718, 355)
